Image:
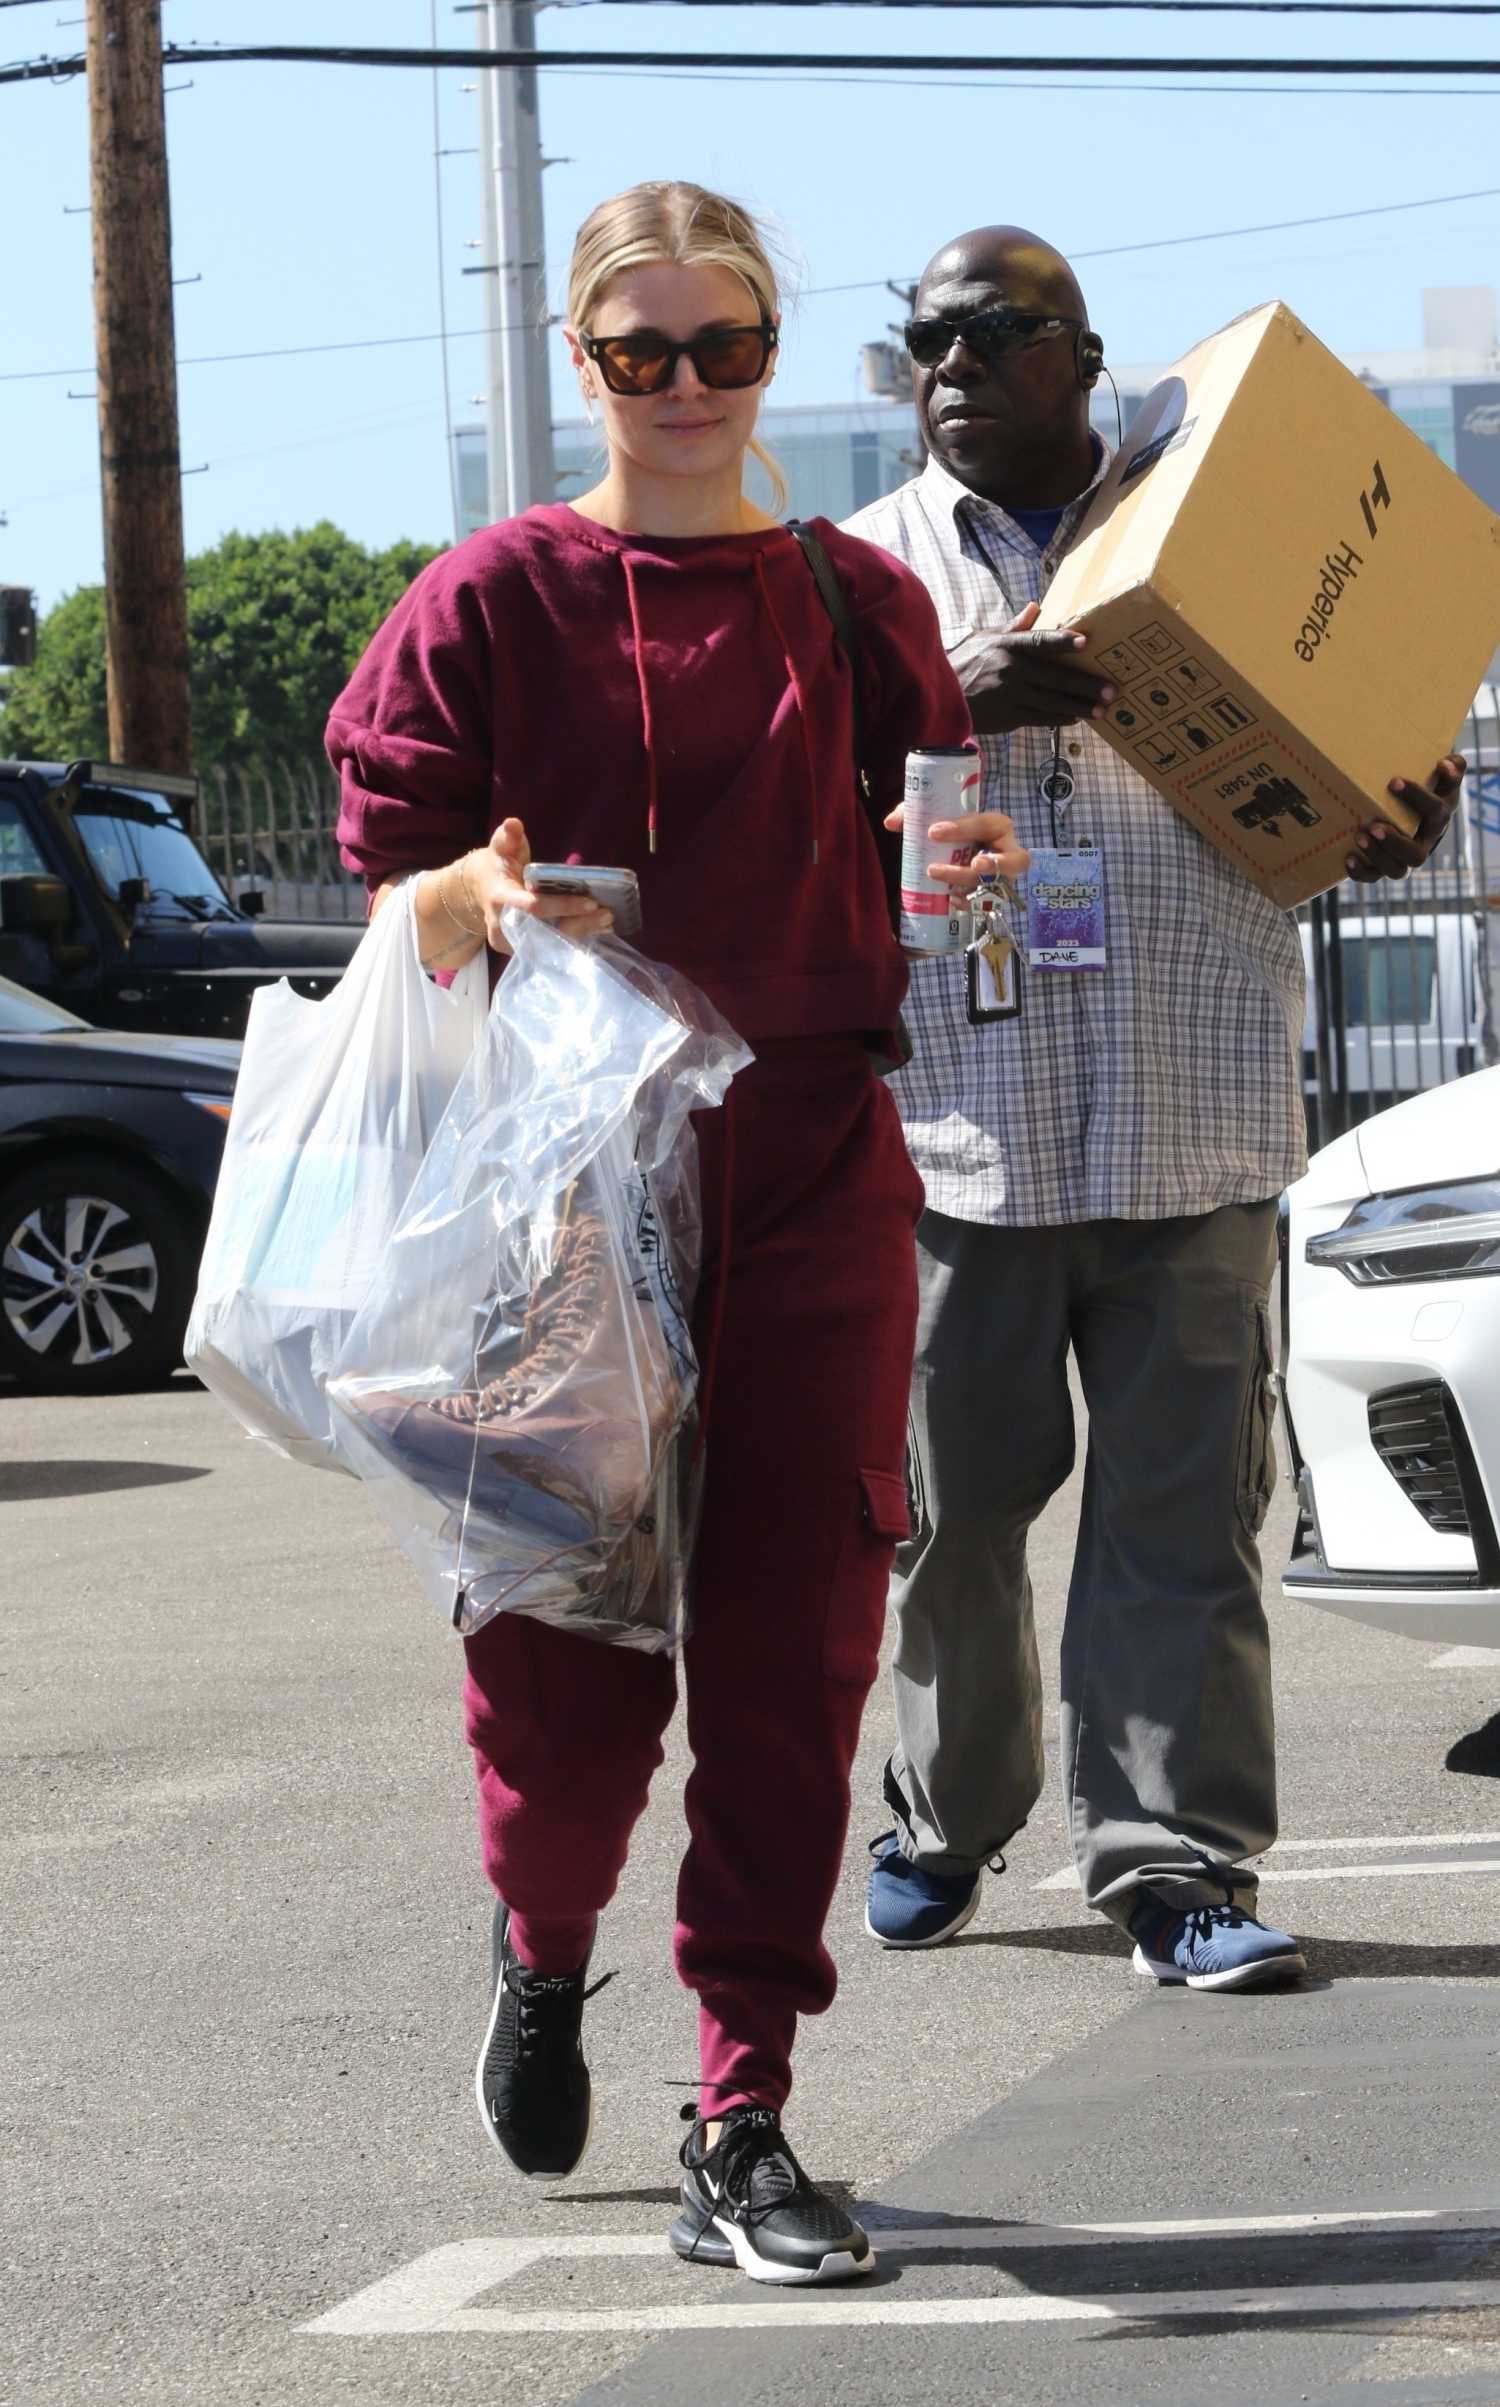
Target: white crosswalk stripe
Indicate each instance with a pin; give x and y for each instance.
(434, 2293)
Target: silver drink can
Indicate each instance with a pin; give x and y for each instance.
(940, 784)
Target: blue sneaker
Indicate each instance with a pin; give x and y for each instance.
(907, 1907)
(1212, 1947)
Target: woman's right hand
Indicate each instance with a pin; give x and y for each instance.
(491, 881)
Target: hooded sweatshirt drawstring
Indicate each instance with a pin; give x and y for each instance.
(638, 646)
(803, 724)
(643, 687)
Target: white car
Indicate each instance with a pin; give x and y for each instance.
(1391, 1377)
(1411, 1004)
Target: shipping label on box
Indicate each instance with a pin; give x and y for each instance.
(1292, 596)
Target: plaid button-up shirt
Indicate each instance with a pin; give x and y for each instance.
(1167, 1083)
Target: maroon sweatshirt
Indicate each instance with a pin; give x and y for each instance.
(676, 706)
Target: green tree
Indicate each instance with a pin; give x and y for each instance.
(275, 623)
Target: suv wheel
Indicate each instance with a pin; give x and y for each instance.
(96, 1277)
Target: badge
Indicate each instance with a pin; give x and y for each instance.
(1065, 908)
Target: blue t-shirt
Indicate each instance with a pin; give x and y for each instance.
(1040, 525)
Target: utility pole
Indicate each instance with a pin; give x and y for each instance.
(150, 722)
(497, 482)
(520, 420)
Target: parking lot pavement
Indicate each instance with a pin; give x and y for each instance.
(245, 1955)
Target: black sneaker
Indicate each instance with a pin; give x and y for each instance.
(531, 2083)
(747, 2202)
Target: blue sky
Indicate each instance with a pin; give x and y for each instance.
(303, 197)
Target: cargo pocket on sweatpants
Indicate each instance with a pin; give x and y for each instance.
(855, 1619)
(1256, 1458)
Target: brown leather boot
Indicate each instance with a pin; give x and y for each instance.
(561, 1434)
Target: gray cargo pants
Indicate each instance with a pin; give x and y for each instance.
(1167, 1739)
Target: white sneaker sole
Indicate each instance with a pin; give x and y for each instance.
(950, 1930)
(1267, 1973)
(840, 2265)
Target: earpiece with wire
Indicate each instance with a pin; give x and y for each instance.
(1089, 354)
(1119, 413)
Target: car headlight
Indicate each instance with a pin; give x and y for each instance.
(219, 1105)
(1431, 1233)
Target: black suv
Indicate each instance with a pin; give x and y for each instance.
(109, 1149)
(108, 908)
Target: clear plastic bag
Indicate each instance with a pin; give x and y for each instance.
(518, 1392)
(336, 1102)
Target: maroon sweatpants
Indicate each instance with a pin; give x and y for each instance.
(804, 1501)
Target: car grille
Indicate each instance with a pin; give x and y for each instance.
(1418, 1436)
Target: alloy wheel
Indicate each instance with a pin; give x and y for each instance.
(79, 1279)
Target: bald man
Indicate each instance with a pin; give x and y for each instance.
(1101, 1176)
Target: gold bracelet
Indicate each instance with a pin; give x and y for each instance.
(451, 916)
(470, 932)
(463, 879)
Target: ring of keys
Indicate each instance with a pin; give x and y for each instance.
(990, 956)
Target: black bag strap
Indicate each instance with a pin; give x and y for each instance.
(836, 602)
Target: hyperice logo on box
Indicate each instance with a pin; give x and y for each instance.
(1341, 566)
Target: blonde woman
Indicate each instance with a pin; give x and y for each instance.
(647, 677)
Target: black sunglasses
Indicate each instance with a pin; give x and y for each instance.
(725, 358)
(991, 334)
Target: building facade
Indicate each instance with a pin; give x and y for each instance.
(836, 456)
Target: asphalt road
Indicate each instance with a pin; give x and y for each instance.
(243, 1956)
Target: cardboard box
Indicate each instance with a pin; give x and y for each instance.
(1293, 597)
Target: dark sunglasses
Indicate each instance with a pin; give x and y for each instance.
(725, 358)
(991, 334)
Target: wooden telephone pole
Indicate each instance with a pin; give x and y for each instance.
(150, 724)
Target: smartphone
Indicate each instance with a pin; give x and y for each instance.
(617, 889)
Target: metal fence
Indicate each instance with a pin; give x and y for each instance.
(272, 829)
(1403, 978)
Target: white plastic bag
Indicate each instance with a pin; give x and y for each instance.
(518, 1391)
(335, 1104)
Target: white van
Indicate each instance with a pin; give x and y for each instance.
(1412, 1005)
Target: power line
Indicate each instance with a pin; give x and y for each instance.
(1286, 225)
(969, 83)
(878, 62)
(1160, 242)
(566, 62)
(1187, 8)
(1192, 8)
(221, 359)
(788, 61)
